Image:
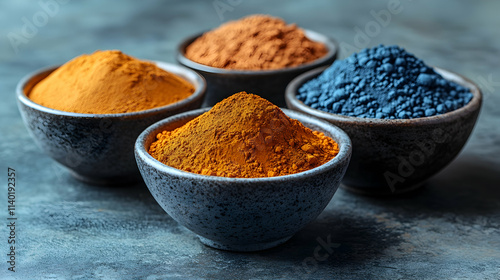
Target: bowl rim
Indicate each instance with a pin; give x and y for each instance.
(330, 43)
(343, 141)
(185, 73)
(473, 105)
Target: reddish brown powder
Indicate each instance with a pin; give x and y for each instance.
(256, 42)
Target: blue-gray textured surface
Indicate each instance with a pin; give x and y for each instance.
(69, 230)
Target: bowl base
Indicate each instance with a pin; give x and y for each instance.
(105, 181)
(381, 191)
(243, 247)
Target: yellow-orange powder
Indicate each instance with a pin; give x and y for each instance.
(107, 82)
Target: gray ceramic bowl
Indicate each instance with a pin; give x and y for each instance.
(242, 214)
(270, 84)
(98, 148)
(397, 156)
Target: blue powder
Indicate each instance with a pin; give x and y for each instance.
(383, 83)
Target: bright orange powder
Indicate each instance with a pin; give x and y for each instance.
(243, 136)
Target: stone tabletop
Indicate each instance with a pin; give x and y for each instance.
(66, 229)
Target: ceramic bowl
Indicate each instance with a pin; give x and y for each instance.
(270, 84)
(98, 148)
(242, 214)
(397, 156)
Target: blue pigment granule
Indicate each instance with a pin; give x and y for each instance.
(383, 83)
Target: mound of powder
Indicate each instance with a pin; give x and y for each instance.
(107, 82)
(243, 136)
(383, 82)
(255, 42)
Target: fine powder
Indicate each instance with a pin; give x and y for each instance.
(108, 82)
(243, 136)
(383, 82)
(255, 42)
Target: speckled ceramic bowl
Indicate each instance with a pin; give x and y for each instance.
(242, 214)
(270, 84)
(397, 156)
(98, 148)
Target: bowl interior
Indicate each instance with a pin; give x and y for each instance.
(314, 36)
(149, 135)
(473, 105)
(29, 81)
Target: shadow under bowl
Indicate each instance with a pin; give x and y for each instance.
(242, 214)
(269, 84)
(98, 148)
(392, 156)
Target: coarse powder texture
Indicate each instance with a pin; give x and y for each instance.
(383, 82)
(255, 42)
(243, 136)
(108, 82)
